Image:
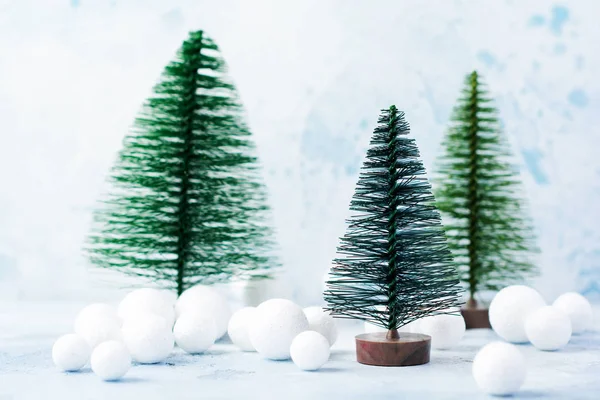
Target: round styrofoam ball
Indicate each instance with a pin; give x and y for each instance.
(206, 300)
(310, 350)
(277, 323)
(70, 352)
(195, 332)
(110, 360)
(99, 329)
(445, 330)
(95, 311)
(499, 369)
(148, 338)
(238, 328)
(321, 321)
(548, 328)
(577, 308)
(147, 300)
(509, 310)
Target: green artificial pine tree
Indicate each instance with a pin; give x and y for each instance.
(478, 193)
(188, 205)
(394, 265)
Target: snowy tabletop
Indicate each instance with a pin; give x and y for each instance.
(27, 332)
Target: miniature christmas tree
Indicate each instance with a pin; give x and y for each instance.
(188, 205)
(478, 193)
(394, 266)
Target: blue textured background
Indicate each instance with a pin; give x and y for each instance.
(313, 76)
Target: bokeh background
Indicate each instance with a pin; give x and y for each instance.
(313, 75)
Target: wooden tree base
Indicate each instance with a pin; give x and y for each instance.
(476, 317)
(405, 350)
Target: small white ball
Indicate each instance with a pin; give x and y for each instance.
(195, 332)
(99, 329)
(238, 328)
(147, 300)
(206, 300)
(148, 338)
(548, 328)
(577, 308)
(321, 321)
(510, 308)
(277, 323)
(445, 330)
(310, 350)
(70, 352)
(499, 369)
(110, 360)
(95, 311)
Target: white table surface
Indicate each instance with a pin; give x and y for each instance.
(28, 330)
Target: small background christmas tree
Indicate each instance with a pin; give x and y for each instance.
(479, 195)
(187, 205)
(394, 265)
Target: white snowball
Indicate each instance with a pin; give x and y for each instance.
(99, 329)
(148, 338)
(147, 300)
(195, 332)
(548, 328)
(310, 350)
(277, 323)
(321, 321)
(577, 308)
(509, 310)
(238, 329)
(95, 311)
(445, 330)
(206, 300)
(70, 352)
(111, 360)
(499, 369)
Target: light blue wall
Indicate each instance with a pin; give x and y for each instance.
(313, 75)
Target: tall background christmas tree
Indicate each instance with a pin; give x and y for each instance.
(480, 197)
(187, 204)
(394, 266)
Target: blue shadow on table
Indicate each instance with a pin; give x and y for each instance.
(86, 370)
(126, 380)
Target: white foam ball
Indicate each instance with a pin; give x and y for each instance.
(206, 300)
(99, 329)
(277, 323)
(548, 328)
(110, 360)
(95, 311)
(499, 369)
(321, 321)
(577, 308)
(510, 308)
(147, 300)
(148, 338)
(446, 330)
(310, 350)
(195, 332)
(238, 328)
(70, 352)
